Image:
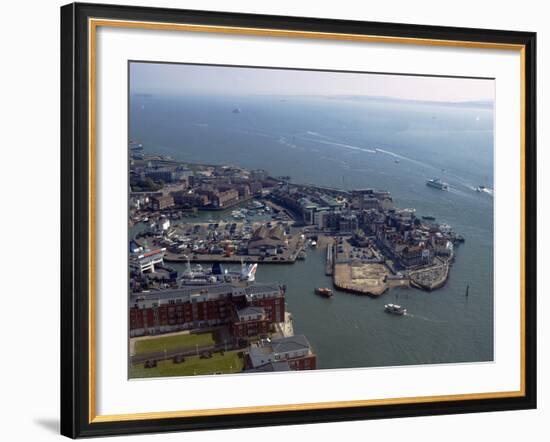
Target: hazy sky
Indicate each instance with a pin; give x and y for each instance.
(181, 79)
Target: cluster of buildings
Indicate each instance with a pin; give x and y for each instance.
(160, 169)
(250, 312)
(372, 213)
(159, 183)
(331, 210)
(404, 238)
(248, 309)
(261, 239)
(268, 240)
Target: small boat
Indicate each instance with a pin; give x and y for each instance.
(467, 290)
(323, 291)
(395, 309)
(428, 218)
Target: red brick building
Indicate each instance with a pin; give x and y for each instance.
(247, 309)
(250, 321)
(162, 202)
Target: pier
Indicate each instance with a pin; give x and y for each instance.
(329, 265)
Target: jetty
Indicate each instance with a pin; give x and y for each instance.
(329, 265)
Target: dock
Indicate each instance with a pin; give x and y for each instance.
(361, 279)
(329, 265)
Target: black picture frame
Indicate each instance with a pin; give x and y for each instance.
(75, 221)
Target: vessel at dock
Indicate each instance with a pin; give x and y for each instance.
(395, 309)
(217, 274)
(323, 291)
(437, 184)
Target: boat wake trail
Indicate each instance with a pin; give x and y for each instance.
(424, 318)
(253, 133)
(317, 134)
(347, 146)
(402, 157)
(486, 190)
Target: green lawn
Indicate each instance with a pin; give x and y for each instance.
(230, 362)
(174, 342)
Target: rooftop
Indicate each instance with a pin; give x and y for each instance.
(250, 290)
(270, 367)
(282, 345)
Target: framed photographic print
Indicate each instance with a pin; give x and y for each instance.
(279, 220)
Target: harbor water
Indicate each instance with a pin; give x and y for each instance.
(380, 144)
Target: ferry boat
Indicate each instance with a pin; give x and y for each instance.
(217, 274)
(395, 309)
(437, 184)
(323, 291)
